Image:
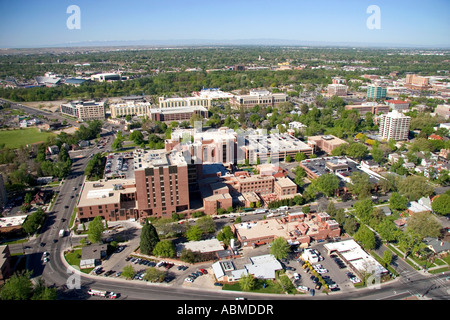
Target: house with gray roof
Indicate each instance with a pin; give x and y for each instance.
(91, 255)
(437, 246)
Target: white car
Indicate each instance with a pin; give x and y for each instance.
(303, 288)
(355, 280)
(188, 279)
(333, 286)
(296, 276)
(322, 270)
(317, 267)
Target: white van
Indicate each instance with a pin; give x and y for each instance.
(283, 208)
(260, 211)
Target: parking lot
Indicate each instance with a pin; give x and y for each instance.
(333, 270)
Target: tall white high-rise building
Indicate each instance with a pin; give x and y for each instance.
(394, 125)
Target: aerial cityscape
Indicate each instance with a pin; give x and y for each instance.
(247, 156)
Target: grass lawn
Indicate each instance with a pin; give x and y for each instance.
(73, 258)
(16, 138)
(263, 286)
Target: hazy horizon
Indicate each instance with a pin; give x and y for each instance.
(51, 23)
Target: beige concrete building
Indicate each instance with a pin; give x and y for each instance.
(394, 125)
(84, 110)
(258, 97)
(184, 102)
(337, 89)
(130, 108)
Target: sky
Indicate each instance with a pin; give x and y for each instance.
(41, 23)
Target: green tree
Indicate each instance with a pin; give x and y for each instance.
(165, 249)
(397, 201)
(154, 275)
(441, 204)
(137, 137)
(424, 224)
(360, 185)
(280, 248)
(34, 221)
(247, 282)
(194, 233)
(149, 238)
(128, 272)
(206, 224)
(388, 231)
(95, 230)
(387, 257)
(42, 292)
(366, 237)
(300, 156)
(225, 235)
(415, 187)
(288, 158)
(363, 209)
(350, 225)
(18, 287)
(326, 184)
(357, 151)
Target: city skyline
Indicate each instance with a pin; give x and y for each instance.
(46, 24)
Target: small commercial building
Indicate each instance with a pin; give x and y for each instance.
(91, 255)
(261, 267)
(357, 260)
(326, 143)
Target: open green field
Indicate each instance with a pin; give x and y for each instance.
(17, 138)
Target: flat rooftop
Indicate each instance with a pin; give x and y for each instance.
(157, 158)
(275, 142)
(104, 192)
(14, 221)
(204, 246)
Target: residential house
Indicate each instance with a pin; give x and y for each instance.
(439, 247)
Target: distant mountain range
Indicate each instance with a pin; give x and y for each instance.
(236, 42)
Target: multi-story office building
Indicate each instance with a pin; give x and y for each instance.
(161, 183)
(275, 146)
(176, 113)
(337, 89)
(218, 146)
(111, 199)
(159, 188)
(84, 110)
(394, 125)
(184, 102)
(371, 107)
(417, 82)
(131, 108)
(376, 92)
(258, 97)
(398, 105)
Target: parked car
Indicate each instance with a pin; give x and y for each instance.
(355, 280)
(218, 284)
(203, 271)
(189, 279)
(296, 276)
(303, 288)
